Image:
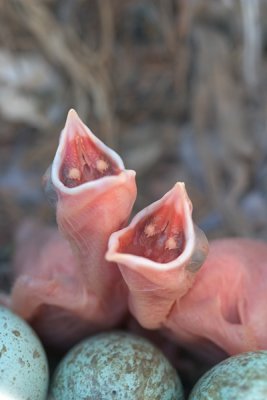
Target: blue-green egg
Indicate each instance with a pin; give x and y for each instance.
(23, 363)
(117, 366)
(241, 377)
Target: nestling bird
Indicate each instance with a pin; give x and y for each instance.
(220, 300)
(63, 285)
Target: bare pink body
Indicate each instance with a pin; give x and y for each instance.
(227, 302)
(48, 291)
(64, 286)
(222, 302)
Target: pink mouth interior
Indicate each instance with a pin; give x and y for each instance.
(83, 162)
(158, 237)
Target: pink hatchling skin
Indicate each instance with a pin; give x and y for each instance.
(227, 302)
(63, 285)
(47, 290)
(220, 301)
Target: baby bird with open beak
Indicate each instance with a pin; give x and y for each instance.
(219, 301)
(63, 284)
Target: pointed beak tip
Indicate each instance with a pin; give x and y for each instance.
(73, 121)
(72, 111)
(180, 185)
(177, 190)
(178, 193)
(72, 114)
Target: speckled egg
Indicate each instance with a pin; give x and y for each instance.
(117, 366)
(242, 377)
(23, 364)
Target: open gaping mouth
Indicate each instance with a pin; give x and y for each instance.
(84, 162)
(82, 157)
(158, 236)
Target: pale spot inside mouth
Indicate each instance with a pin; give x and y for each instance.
(158, 237)
(150, 230)
(84, 162)
(74, 173)
(101, 166)
(171, 243)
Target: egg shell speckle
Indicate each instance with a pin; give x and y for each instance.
(23, 363)
(242, 377)
(117, 366)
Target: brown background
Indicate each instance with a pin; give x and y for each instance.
(177, 87)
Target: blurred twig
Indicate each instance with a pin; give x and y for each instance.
(176, 29)
(86, 68)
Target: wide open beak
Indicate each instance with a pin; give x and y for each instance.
(159, 254)
(93, 195)
(82, 158)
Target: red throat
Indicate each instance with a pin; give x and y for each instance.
(84, 162)
(158, 237)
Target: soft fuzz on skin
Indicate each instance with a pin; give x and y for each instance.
(63, 284)
(221, 301)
